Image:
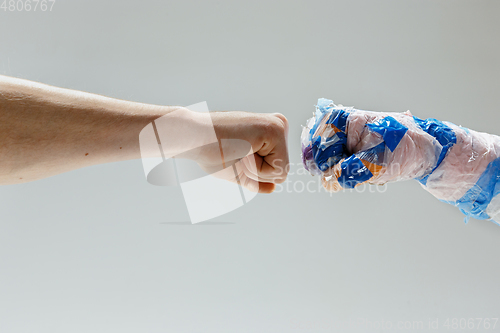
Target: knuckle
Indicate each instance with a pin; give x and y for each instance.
(282, 118)
(278, 125)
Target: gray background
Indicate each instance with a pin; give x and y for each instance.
(89, 250)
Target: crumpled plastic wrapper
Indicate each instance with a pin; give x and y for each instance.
(347, 147)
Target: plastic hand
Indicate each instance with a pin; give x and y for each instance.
(349, 147)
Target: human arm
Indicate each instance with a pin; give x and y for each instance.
(45, 130)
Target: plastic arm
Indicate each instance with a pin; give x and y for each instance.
(348, 147)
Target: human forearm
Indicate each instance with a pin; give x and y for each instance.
(46, 130)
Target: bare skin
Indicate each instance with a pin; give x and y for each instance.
(46, 130)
